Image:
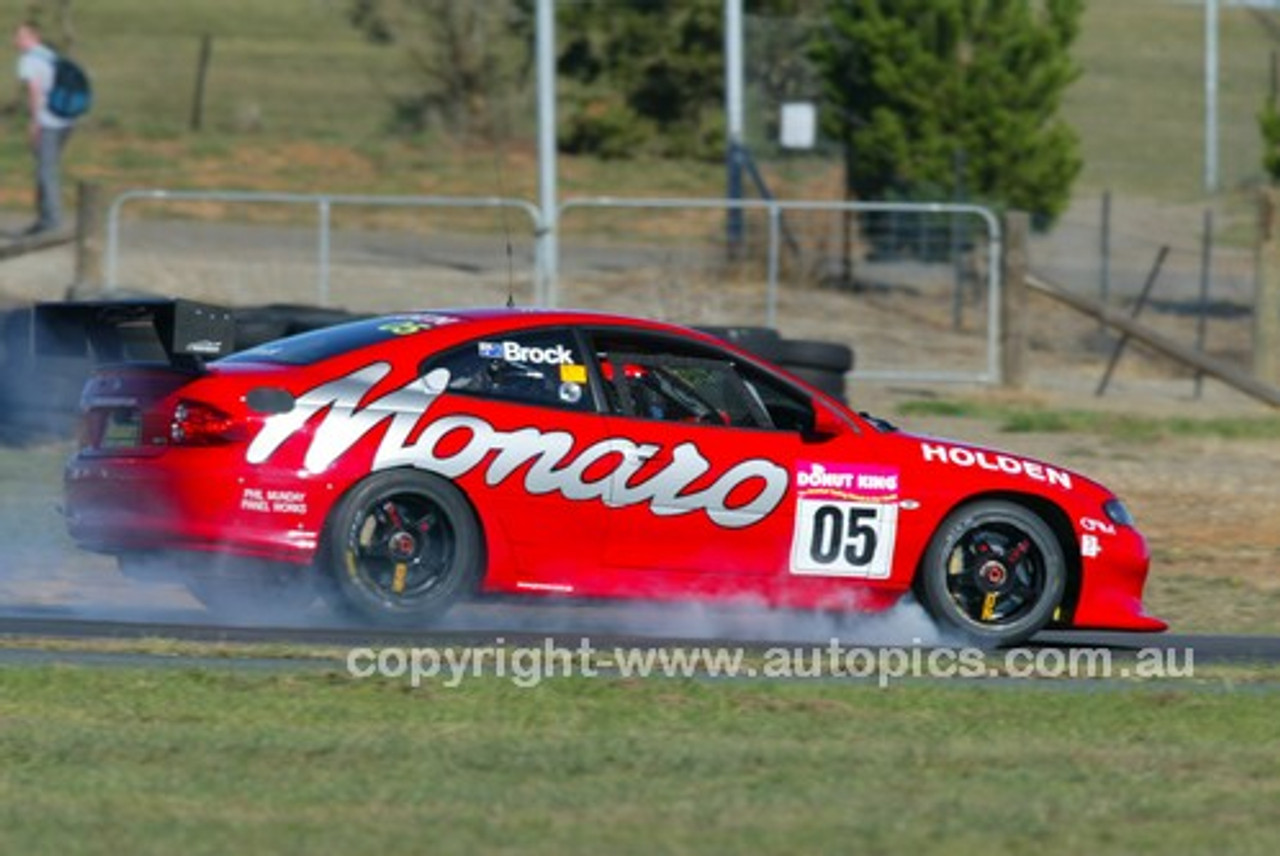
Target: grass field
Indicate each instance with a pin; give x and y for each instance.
(1139, 105)
(115, 761)
(296, 100)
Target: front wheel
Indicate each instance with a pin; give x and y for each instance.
(401, 548)
(994, 571)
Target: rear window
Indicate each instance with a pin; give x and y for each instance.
(316, 345)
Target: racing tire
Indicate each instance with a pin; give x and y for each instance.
(39, 396)
(302, 318)
(252, 331)
(808, 353)
(994, 572)
(401, 548)
(831, 383)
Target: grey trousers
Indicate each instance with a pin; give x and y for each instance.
(48, 154)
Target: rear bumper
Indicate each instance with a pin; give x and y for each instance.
(128, 505)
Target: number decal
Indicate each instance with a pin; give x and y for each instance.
(827, 532)
(844, 539)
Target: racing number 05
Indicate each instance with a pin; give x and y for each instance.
(831, 540)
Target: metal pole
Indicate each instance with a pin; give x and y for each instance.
(322, 262)
(113, 241)
(733, 88)
(771, 298)
(1202, 319)
(957, 264)
(1211, 96)
(548, 250)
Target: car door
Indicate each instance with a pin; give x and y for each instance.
(519, 409)
(704, 493)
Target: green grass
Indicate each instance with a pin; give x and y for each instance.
(1139, 106)
(115, 760)
(294, 64)
(1016, 418)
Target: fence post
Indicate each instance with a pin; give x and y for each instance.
(1266, 305)
(90, 237)
(1013, 299)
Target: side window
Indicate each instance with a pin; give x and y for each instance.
(655, 377)
(543, 367)
(788, 409)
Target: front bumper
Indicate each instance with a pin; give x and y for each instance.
(1112, 582)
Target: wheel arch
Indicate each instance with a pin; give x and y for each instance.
(1058, 521)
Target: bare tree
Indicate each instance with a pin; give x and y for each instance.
(460, 58)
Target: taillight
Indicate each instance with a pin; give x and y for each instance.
(197, 424)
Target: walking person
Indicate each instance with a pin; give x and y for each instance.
(47, 132)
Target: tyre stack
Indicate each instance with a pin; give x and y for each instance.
(257, 325)
(39, 399)
(820, 364)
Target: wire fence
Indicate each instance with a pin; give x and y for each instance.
(914, 287)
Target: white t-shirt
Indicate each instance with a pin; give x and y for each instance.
(37, 64)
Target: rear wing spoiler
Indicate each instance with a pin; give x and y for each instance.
(183, 332)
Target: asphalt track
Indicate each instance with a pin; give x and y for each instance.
(604, 625)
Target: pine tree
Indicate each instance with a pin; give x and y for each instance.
(916, 88)
(646, 76)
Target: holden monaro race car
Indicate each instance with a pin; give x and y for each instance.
(400, 464)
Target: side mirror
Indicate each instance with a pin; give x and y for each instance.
(826, 424)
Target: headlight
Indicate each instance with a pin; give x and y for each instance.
(1117, 512)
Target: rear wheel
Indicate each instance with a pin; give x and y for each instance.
(401, 548)
(994, 571)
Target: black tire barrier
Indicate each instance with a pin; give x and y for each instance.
(38, 408)
(300, 318)
(40, 396)
(832, 383)
(257, 325)
(813, 354)
(760, 341)
(39, 399)
(252, 332)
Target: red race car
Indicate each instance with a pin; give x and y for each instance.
(402, 463)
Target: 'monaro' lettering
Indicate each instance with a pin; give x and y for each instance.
(757, 484)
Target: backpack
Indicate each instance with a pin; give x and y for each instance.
(71, 95)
